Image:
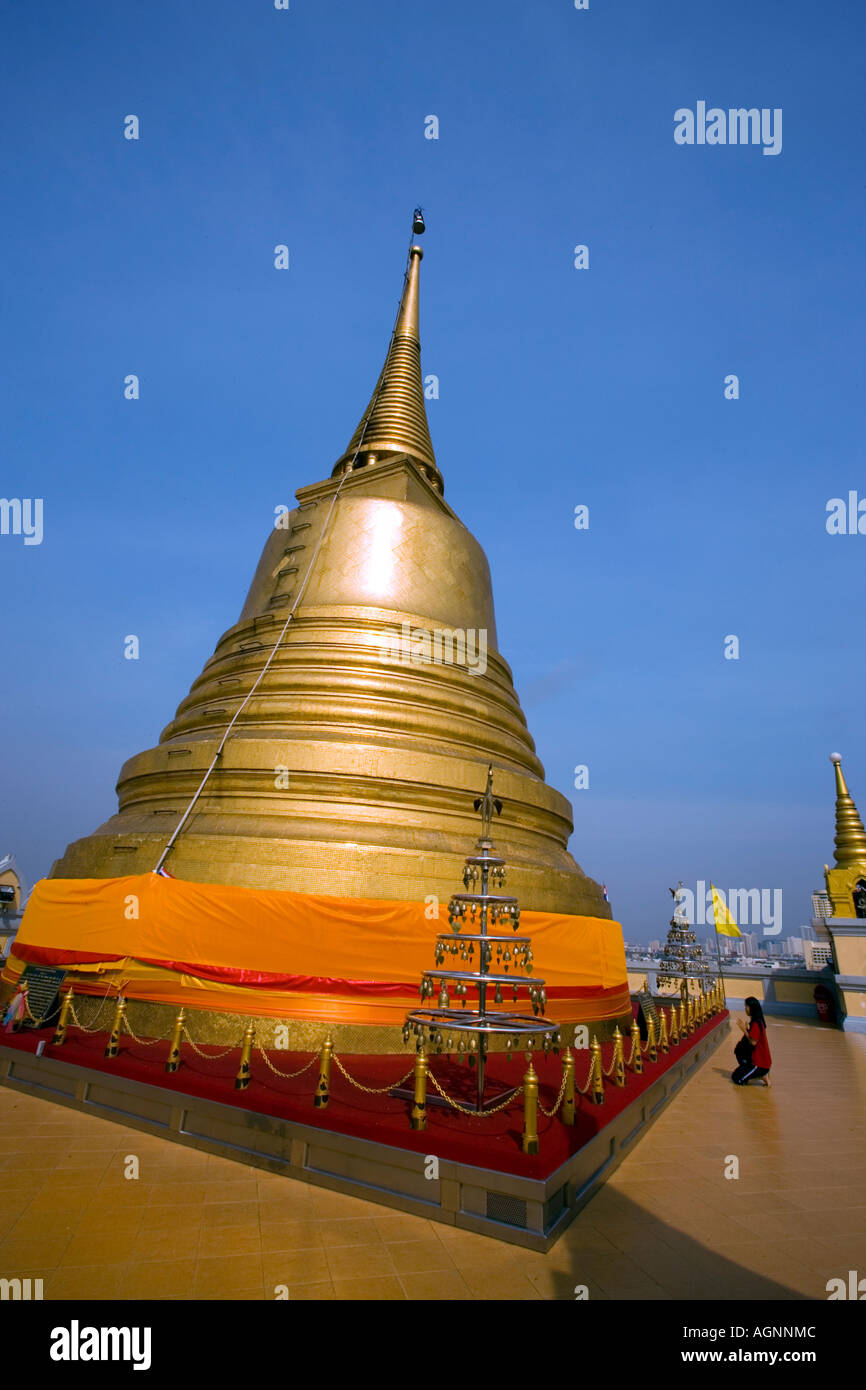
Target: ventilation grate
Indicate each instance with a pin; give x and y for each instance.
(511, 1211)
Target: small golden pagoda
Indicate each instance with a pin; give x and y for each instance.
(846, 882)
(845, 929)
(332, 748)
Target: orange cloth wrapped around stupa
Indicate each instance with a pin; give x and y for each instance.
(292, 954)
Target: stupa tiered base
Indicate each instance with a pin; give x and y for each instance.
(362, 1143)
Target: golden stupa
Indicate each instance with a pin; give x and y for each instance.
(383, 753)
(331, 750)
(846, 878)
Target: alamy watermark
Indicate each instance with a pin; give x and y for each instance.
(736, 126)
(752, 907)
(438, 646)
(77, 1343)
(22, 516)
(846, 516)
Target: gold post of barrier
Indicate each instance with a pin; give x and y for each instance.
(651, 1048)
(418, 1117)
(636, 1058)
(116, 1027)
(173, 1060)
(664, 1041)
(597, 1074)
(618, 1058)
(530, 1108)
(674, 1030)
(323, 1088)
(242, 1080)
(568, 1092)
(691, 1014)
(63, 1021)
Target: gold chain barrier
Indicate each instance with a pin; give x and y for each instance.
(143, 1042)
(39, 1022)
(583, 1090)
(286, 1075)
(74, 1016)
(372, 1090)
(477, 1114)
(205, 1056)
(674, 1027)
(566, 1072)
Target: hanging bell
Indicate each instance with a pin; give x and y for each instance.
(418, 227)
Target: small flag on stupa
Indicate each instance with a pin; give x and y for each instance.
(604, 891)
(725, 924)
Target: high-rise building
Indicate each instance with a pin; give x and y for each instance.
(821, 905)
(817, 954)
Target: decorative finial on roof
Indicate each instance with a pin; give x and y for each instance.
(850, 835)
(395, 421)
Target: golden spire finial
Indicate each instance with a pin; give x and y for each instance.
(395, 421)
(850, 835)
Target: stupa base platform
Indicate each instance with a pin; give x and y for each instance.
(362, 1143)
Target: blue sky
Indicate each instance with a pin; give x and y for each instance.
(557, 386)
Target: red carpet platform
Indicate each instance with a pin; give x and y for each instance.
(489, 1142)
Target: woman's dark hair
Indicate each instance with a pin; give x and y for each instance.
(756, 1012)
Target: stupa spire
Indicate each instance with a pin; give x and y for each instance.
(850, 835)
(395, 421)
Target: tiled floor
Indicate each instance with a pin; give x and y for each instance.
(669, 1224)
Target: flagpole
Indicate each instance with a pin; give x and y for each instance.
(719, 946)
(719, 954)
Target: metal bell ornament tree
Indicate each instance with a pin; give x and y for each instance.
(496, 964)
(683, 958)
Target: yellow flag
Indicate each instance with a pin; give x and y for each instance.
(725, 924)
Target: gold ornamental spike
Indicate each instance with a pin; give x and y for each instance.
(636, 1059)
(850, 835)
(395, 421)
